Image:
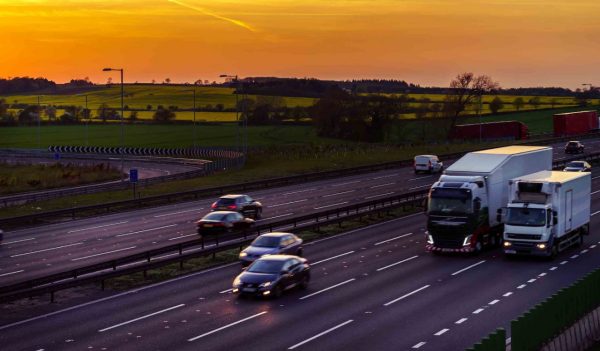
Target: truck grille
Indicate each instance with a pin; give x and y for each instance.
(524, 236)
(448, 242)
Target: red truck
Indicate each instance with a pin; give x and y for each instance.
(491, 130)
(573, 123)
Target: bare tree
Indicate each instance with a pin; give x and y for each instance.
(464, 90)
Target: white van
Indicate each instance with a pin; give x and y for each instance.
(428, 163)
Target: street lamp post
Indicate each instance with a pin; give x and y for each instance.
(39, 116)
(122, 113)
(237, 109)
(193, 91)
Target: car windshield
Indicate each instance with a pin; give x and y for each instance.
(266, 241)
(450, 201)
(226, 202)
(215, 216)
(529, 217)
(266, 266)
(575, 164)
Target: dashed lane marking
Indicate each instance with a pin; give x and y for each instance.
(226, 326)
(461, 321)
(332, 258)
(441, 332)
(406, 295)
(392, 239)
(321, 334)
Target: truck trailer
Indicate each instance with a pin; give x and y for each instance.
(573, 123)
(547, 212)
(513, 130)
(462, 205)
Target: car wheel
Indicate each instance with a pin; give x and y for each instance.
(277, 291)
(299, 253)
(304, 282)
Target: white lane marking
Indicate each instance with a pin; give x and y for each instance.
(385, 176)
(478, 311)
(413, 179)
(595, 213)
(592, 246)
(419, 345)
(183, 236)
(178, 212)
(493, 302)
(278, 216)
(225, 291)
(381, 185)
(554, 268)
(574, 257)
(140, 318)
(507, 294)
(44, 250)
(342, 193)
(469, 267)
(531, 280)
(461, 321)
(11, 273)
(406, 295)
(508, 341)
(521, 286)
(321, 334)
(288, 203)
(420, 186)
(299, 191)
(97, 227)
(379, 195)
(332, 258)
(346, 183)
(339, 203)
(397, 263)
(226, 326)
(146, 230)
(542, 274)
(326, 289)
(16, 241)
(595, 192)
(392, 239)
(103, 253)
(596, 177)
(441, 332)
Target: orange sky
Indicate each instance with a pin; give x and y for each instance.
(517, 42)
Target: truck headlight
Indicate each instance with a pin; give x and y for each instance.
(243, 254)
(429, 239)
(467, 240)
(541, 246)
(507, 244)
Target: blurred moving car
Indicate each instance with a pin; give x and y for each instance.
(271, 275)
(574, 147)
(578, 166)
(243, 204)
(428, 163)
(270, 244)
(223, 222)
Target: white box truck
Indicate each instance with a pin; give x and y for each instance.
(462, 205)
(547, 212)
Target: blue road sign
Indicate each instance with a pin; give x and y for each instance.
(133, 175)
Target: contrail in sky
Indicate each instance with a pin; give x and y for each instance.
(212, 14)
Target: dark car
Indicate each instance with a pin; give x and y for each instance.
(243, 204)
(271, 275)
(223, 221)
(578, 166)
(574, 147)
(270, 244)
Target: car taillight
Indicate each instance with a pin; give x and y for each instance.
(232, 207)
(214, 205)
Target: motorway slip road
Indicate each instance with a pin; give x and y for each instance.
(372, 289)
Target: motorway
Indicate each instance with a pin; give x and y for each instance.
(372, 289)
(40, 251)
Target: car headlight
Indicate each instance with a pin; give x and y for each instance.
(243, 254)
(237, 282)
(507, 244)
(265, 284)
(467, 240)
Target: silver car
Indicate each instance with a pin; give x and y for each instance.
(271, 244)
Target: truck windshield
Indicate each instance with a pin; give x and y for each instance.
(529, 217)
(450, 201)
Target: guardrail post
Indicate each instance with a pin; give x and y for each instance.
(148, 256)
(180, 247)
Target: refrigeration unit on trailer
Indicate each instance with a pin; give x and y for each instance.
(462, 205)
(547, 212)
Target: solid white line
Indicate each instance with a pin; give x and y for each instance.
(595, 213)
(478, 311)
(554, 268)
(406, 295)
(385, 176)
(412, 179)
(346, 183)
(183, 236)
(11, 273)
(574, 257)
(420, 186)
(103, 253)
(321, 334)
(225, 291)
(299, 191)
(331, 258)
(339, 203)
(521, 286)
(16, 241)
(397, 263)
(288, 203)
(392, 239)
(178, 212)
(419, 345)
(140, 318)
(467, 268)
(44, 250)
(441, 332)
(531, 280)
(507, 294)
(146, 230)
(343, 192)
(461, 321)
(278, 216)
(595, 192)
(379, 195)
(381, 185)
(493, 302)
(226, 326)
(326, 289)
(100, 226)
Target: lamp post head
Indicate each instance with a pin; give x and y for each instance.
(107, 69)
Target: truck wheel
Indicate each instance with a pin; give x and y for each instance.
(580, 241)
(478, 248)
(553, 252)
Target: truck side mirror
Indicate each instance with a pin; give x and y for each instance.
(554, 220)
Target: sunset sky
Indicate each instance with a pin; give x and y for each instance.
(518, 43)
